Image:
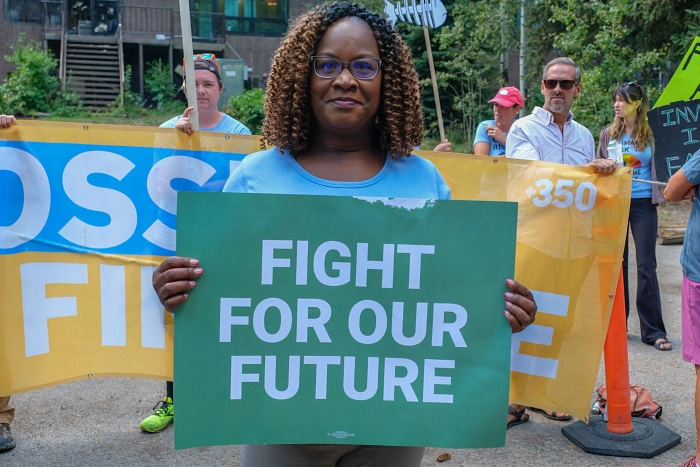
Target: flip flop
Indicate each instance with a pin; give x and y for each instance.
(520, 417)
(659, 343)
(553, 415)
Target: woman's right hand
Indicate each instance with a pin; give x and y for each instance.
(173, 280)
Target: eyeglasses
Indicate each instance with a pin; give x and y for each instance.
(209, 58)
(565, 84)
(632, 83)
(362, 68)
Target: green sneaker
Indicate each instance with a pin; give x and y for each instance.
(161, 418)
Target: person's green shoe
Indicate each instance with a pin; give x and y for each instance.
(161, 418)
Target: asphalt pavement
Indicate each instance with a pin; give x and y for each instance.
(95, 422)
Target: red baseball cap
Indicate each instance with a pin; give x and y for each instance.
(508, 97)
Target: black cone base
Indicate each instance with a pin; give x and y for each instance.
(648, 438)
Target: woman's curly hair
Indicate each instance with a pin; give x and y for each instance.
(288, 122)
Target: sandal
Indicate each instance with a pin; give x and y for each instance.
(663, 341)
(553, 415)
(520, 417)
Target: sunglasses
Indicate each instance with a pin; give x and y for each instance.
(564, 84)
(209, 58)
(362, 68)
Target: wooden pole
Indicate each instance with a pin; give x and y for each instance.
(434, 80)
(190, 84)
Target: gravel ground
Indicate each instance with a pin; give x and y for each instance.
(95, 422)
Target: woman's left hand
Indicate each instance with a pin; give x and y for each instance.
(520, 306)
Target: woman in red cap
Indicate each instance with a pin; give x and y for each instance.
(490, 138)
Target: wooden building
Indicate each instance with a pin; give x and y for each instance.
(94, 40)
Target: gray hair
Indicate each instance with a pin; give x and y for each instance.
(562, 61)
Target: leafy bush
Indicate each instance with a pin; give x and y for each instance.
(247, 108)
(34, 85)
(132, 100)
(159, 83)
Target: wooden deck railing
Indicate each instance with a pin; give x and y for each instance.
(136, 22)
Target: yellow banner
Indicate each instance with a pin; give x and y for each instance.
(572, 225)
(83, 224)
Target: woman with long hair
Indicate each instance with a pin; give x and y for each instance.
(631, 132)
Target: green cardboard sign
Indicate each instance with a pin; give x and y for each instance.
(343, 320)
(684, 85)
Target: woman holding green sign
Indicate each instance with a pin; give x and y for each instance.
(342, 114)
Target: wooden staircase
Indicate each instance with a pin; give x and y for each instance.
(92, 72)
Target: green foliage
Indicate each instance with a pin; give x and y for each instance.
(247, 108)
(34, 86)
(599, 37)
(69, 106)
(159, 83)
(131, 103)
(613, 41)
(470, 58)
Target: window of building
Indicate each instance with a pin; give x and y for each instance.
(256, 17)
(23, 11)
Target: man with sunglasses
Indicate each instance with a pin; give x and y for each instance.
(209, 89)
(550, 133)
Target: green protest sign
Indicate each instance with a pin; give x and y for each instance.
(343, 320)
(676, 114)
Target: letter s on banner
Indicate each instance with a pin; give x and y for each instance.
(122, 211)
(37, 197)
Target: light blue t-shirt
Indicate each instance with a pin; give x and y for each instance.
(495, 148)
(690, 254)
(276, 172)
(640, 163)
(226, 125)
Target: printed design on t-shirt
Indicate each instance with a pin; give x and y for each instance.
(631, 161)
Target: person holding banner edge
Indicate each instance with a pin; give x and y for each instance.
(209, 89)
(7, 413)
(684, 185)
(631, 132)
(551, 134)
(352, 73)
